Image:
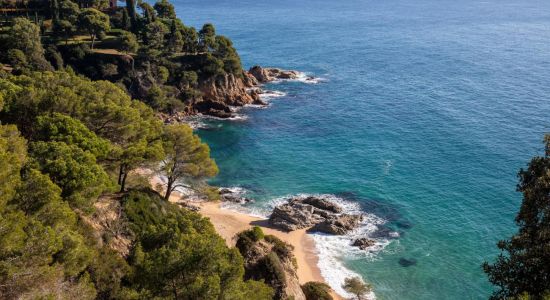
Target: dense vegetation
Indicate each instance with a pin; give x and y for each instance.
(522, 270)
(80, 89)
(144, 49)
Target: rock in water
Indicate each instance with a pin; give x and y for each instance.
(323, 204)
(316, 213)
(339, 225)
(293, 216)
(264, 75)
(363, 243)
(406, 262)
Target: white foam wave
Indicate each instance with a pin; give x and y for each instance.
(332, 250)
(234, 117)
(270, 95)
(302, 77)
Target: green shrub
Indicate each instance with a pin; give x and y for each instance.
(316, 291)
(281, 248)
(274, 269)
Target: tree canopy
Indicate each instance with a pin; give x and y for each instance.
(93, 22)
(523, 267)
(187, 159)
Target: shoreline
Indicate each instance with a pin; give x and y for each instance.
(228, 223)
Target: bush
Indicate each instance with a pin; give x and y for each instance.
(246, 239)
(316, 291)
(274, 269)
(281, 248)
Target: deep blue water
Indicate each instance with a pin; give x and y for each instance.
(428, 110)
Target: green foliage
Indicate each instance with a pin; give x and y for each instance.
(314, 290)
(62, 128)
(93, 22)
(355, 285)
(282, 249)
(74, 170)
(211, 66)
(107, 271)
(207, 37)
(25, 36)
(36, 192)
(13, 154)
(153, 35)
(128, 42)
(187, 160)
(175, 38)
(68, 11)
(17, 59)
(274, 270)
(149, 15)
(228, 54)
(521, 267)
(165, 9)
(248, 238)
(104, 108)
(179, 255)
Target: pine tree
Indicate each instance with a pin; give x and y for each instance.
(523, 267)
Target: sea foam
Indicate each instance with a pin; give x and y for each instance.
(331, 249)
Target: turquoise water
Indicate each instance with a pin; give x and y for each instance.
(427, 111)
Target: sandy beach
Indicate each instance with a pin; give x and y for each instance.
(228, 223)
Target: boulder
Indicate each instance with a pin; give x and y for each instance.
(363, 243)
(338, 224)
(228, 195)
(264, 75)
(294, 215)
(323, 204)
(315, 213)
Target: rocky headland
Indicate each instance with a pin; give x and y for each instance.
(220, 94)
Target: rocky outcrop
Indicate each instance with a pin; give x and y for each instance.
(363, 243)
(264, 75)
(340, 224)
(295, 215)
(322, 203)
(221, 93)
(314, 213)
(271, 260)
(228, 195)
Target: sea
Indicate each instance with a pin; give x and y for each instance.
(420, 115)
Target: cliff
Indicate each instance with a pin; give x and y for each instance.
(224, 91)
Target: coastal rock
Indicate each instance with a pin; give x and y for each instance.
(228, 89)
(338, 225)
(264, 75)
(294, 215)
(228, 195)
(363, 243)
(224, 91)
(271, 260)
(315, 213)
(323, 204)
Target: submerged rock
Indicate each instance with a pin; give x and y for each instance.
(406, 262)
(363, 243)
